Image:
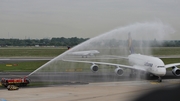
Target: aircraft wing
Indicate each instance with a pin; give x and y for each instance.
(110, 64)
(171, 65)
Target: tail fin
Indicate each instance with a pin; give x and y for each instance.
(130, 46)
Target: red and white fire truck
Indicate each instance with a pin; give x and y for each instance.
(15, 81)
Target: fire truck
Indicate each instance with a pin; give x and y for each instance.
(15, 81)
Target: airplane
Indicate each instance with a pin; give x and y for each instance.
(85, 53)
(137, 63)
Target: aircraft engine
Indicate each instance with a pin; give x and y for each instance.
(94, 68)
(119, 71)
(176, 71)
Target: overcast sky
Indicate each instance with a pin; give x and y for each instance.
(81, 18)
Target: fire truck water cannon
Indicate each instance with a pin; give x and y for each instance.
(15, 81)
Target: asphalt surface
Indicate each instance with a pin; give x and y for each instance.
(83, 77)
(100, 87)
(106, 91)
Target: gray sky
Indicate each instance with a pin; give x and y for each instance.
(81, 18)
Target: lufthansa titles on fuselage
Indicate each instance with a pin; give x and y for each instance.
(148, 64)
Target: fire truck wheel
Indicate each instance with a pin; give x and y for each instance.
(27, 81)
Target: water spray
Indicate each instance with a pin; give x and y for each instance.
(110, 43)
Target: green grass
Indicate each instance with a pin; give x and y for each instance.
(51, 52)
(170, 60)
(27, 52)
(21, 66)
(30, 66)
(166, 51)
(30, 52)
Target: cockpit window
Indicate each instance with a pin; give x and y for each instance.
(160, 66)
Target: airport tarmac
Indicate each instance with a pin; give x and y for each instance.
(112, 88)
(86, 77)
(106, 91)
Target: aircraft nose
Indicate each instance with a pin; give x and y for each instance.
(162, 71)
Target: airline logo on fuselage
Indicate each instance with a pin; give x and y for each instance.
(148, 64)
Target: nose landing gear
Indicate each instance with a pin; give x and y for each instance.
(159, 79)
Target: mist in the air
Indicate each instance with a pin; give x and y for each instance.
(114, 42)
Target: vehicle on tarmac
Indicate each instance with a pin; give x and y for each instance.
(12, 87)
(15, 81)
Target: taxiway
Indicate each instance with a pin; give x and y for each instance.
(107, 91)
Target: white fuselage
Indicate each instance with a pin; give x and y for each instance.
(85, 53)
(151, 64)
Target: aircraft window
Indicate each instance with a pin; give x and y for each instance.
(160, 66)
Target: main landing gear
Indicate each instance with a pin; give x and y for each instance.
(133, 73)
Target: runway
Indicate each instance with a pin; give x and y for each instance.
(83, 77)
(99, 87)
(106, 91)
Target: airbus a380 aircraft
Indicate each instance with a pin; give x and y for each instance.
(143, 63)
(85, 53)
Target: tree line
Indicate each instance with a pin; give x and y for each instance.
(42, 42)
(62, 41)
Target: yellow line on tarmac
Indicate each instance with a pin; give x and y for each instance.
(154, 82)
